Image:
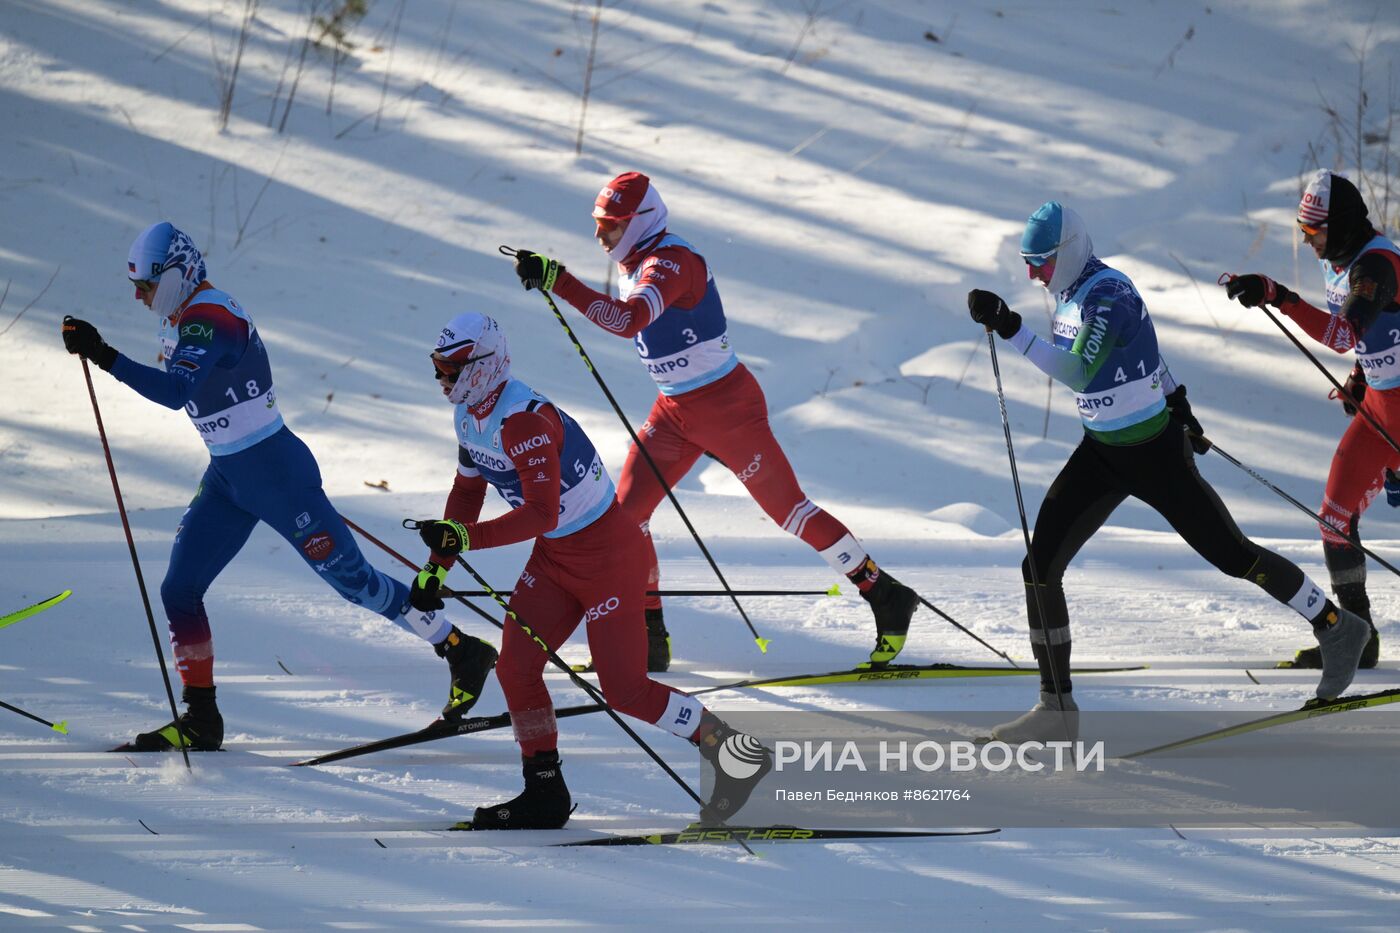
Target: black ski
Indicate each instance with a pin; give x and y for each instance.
(720, 835)
(437, 729)
(748, 834)
(894, 672)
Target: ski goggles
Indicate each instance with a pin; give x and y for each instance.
(445, 368)
(1311, 229)
(143, 287)
(611, 222)
(1039, 259)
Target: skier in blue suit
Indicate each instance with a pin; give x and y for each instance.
(215, 367)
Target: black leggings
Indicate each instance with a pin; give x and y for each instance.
(1097, 477)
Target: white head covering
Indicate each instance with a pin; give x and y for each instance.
(631, 196)
(477, 342)
(168, 257)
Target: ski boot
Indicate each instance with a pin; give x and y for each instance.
(1054, 719)
(470, 660)
(658, 643)
(1311, 658)
(1341, 644)
(544, 804)
(200, 728)
(740, 762)
(893, 604)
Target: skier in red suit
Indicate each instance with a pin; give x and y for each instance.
(708, 402)
(587, 566)
(1361, 276)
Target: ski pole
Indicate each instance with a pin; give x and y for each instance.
(21, 614)
(1352, 539)
(1026, 535)
(1343, 393)
(835, 590)
(967, 631)
(131, 546)
(554, 658)
(60, 727)
(646, 455)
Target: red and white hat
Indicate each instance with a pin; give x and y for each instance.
(1317, 200)
(631, 197)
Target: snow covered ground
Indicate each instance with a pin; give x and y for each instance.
(849, 174)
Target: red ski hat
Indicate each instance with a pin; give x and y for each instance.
(622, 197)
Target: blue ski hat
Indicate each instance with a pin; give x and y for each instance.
(166, 255)
(1056, 232)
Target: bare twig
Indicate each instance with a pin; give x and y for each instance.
(1170, 60)
(589, 63)
(923, 386)
(1199, 293)
(389, 64)
(166, 51)
(250, 9)
(31, 304)
(813, 14)
(976, 345)
(243, 220)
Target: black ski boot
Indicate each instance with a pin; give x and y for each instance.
(658, 643)
(470, 660)
(740, 762)
(544, 804)
(200, 728)
(893, 604)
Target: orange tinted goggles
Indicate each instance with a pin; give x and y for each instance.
(1310, 229)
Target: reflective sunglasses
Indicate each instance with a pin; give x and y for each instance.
(1039, 259)
(444, 368)
(611, 222)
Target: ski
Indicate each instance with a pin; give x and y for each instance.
(720, 835)
(437, 729)
(747, 834)
(1310, 710)
(21, 614)
(442, 729)
(857, 675)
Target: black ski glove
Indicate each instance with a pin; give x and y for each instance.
(991, 312)
(423, 595)
(1253, 290)
(1355, 387)
(82, 338)
(536, 270)
(445, 536)
(1180, 411)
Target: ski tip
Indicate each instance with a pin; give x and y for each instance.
(60, 727)
(835, 590)
(463, 826)
(763, 644)
(1255, 680)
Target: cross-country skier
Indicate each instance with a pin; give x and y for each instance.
(216, 368)
(1138, 439)
(588, 564)
(1360, 269)
(708, 401)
